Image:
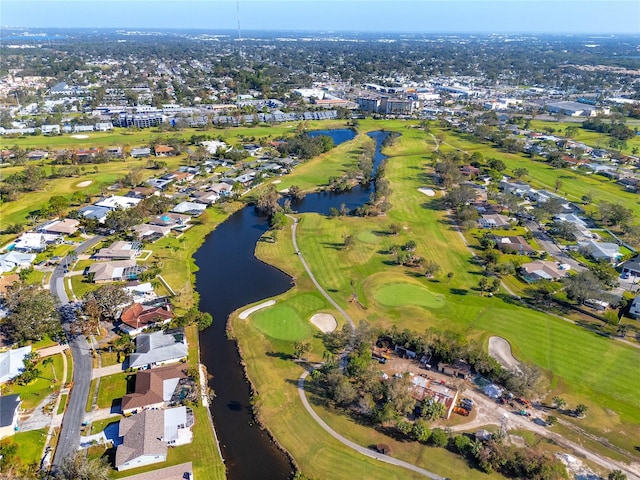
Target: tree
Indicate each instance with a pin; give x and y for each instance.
(583, 286)
(581, 410)
(399, 395)
(29, 372)
(614, 213)
(432, 410)
(450, 276)
(552, 420)
(300, 349)
(420, 431)
(267, 201)
(483, 285)
(564, 229)
(33, 313)
(348, 241)
(616, 475)
(431, 268)
(296, 192)
(438, 437)
(81, 467)
(395, 228)
(124, 345)
(559, 402)
(557, 185)
(520, 172)
(109, 298)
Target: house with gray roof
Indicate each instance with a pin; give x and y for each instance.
(142, 443)
(146, 436)
(101, 272)
(601, 251)
(159, 348)
(12, 362)
(9, 410)
(13, 259)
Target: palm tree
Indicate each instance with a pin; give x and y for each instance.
(49, 361)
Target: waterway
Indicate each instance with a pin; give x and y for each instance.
(230, 277)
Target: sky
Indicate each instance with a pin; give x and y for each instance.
(426, 16)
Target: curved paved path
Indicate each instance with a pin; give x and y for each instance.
(354, 446)
(294, 228)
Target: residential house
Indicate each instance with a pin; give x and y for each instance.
(424, 388)
(160, 183)
(515, 244)
(631, 268)
(115, 202)
(114, 152)
(147, 435)
(163, 150)
(9, 410)
(207, 198)
(150, 233)
(68, 226)
(170, 220)
(12, 362)
(140, 292)
(101, 272)
(119, 250)
(140, 152)
(94, 212)
(190, 208)
(469, 171)
(494, 221)
(137, 318)
(13, 259)
(634, 309)
(222, 189)
(142, 443)
(601, 251)
(159, 348)
(581, 225)
(140, 192)
(37, 155)
(35, 241)
(153, 388)
(183, 177)
(543, 270)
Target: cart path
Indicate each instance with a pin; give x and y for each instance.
(294, 228)
(354, 446)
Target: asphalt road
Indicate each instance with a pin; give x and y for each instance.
(547, 243)
(69, 439)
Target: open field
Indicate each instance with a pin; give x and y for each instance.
(30, 445)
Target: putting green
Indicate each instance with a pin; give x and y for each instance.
(281, 322)
(397, 294)
(367, 236)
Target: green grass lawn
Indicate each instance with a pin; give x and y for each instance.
(63, 403)
(397, 294)
(113, 388)
(99, 425)
(281, 322)
(49, 381)
(30, 445)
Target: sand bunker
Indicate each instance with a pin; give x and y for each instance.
(80, 136)
(245, 313)
(275, 182)
(427, 191)
(500, 349)
(86, 183)
(325, 322)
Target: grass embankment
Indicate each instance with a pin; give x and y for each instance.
(583, 367)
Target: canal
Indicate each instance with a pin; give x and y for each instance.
(229, 277)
